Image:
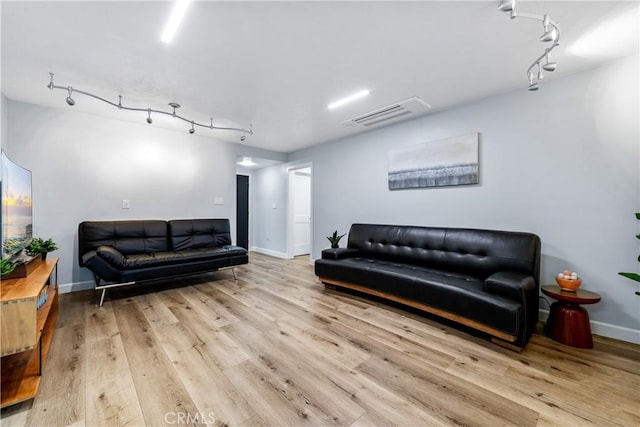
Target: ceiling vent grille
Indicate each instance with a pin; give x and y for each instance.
(396, 112)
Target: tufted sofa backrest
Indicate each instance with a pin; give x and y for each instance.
(128, 237)
(199, 233)
(478, 253)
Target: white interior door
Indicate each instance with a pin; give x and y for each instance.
(302, 212)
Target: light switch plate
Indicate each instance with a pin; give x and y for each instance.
(126, 204)
(218, 200)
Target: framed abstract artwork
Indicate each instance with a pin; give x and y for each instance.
(445, 162)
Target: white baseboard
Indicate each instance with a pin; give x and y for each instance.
(76, 286)
(607, 330)
(270, 252)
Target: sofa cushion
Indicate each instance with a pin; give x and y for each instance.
(128, 237)
(137, 261)
(449, 291)
(478, 253)
(199, 233)
(465, 296)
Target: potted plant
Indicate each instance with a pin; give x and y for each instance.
(42, 247)
(634, 276)
(6, 266)
(335, 239)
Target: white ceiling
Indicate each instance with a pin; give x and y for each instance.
(278, 64)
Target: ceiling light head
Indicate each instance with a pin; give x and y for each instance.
(549, 35)
(532, 86)
(243, 138)
(70, 100)
(149, 119)
(507, 6)
(550, 66)
(192, 130)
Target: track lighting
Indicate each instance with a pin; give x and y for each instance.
(173, 105)
(69, 99)
(551, 34)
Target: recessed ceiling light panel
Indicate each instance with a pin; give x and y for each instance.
(177, 14)
(348, 99)
(247, 162)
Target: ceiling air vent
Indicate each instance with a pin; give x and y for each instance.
(401, 110)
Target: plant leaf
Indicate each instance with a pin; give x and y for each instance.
(637, 215)
(632, 276)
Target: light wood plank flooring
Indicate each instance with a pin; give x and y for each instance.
(276, 348)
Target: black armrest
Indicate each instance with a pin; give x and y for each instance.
(112, 256)
(510, 284)
(339, 253)
(87, 257)
(100, 267)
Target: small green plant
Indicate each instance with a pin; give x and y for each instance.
(335, 239)
(40, 246)
(634, 276)
(6, 266)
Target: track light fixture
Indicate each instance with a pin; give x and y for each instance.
(244, 137)
(551, 33)
(69, 99)
(173, 105)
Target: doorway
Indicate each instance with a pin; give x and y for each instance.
(242, 211)
(300, 211)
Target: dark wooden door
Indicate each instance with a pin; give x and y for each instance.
(242, 211)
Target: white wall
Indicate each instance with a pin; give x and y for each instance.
(269, 215)
(562, 162)
(84, 166)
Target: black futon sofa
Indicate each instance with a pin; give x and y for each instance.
(128, 252)
(487, 280)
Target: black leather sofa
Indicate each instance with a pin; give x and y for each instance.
(487, 280)
(129, 252)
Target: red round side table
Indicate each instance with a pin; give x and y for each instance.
(568, 323)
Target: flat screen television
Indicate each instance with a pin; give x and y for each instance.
(17, 213)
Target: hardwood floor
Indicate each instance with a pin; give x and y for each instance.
(276, 348)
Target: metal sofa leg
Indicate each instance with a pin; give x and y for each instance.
(233, 270)
(104, 291)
